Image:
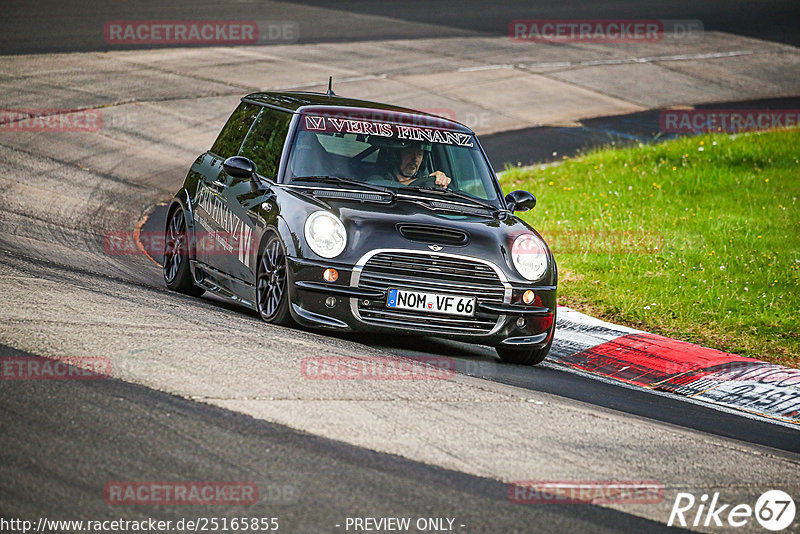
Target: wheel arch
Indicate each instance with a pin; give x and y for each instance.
(181, 201)
(280, 228)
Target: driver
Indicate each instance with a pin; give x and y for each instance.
(407, 166)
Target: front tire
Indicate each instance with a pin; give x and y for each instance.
(177, 274)
(272, 295)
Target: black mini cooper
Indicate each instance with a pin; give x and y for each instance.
(349, 215)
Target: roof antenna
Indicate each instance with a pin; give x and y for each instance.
(330, 90)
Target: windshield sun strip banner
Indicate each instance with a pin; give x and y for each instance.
(405, 132)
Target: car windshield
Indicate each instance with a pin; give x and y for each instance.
(392, 155)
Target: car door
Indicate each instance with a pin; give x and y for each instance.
(264, 146)
(210, 210)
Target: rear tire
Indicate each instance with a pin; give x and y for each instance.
(177, 274)
(272, 295)
(524, 356)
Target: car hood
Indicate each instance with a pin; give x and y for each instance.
(372, 225)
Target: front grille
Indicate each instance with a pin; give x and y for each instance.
(432, 273)
(426, 233)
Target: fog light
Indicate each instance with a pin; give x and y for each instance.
(521, 322)
(330, 275)
(528, 297)
(330, 302)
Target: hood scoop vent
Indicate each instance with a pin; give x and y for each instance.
(352, 195)
(426, 233)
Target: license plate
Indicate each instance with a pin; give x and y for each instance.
(431, 302)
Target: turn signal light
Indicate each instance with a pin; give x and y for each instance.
(528, 297)
(330, 275)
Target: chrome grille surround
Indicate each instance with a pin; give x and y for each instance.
(382, 269)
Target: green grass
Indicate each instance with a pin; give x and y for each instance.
(696, 238)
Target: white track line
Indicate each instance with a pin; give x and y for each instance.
(619, 61)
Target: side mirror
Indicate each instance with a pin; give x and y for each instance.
(239, 167)
(520, 201)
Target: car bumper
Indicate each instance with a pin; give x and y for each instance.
(352, 304)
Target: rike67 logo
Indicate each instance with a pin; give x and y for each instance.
(774, 510)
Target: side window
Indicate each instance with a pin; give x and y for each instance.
(265, 141)
(232, 134)
(465, 167)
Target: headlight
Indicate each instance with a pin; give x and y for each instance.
(325, 234)
(530, 256)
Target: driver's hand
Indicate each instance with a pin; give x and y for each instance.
(441, 178)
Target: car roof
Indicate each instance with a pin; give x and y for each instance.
(298, 101)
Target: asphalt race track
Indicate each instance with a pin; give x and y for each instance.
(310, 483)
(202, 390)
(72, 25)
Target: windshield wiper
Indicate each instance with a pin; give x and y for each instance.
(323, 178)
(456, 194)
